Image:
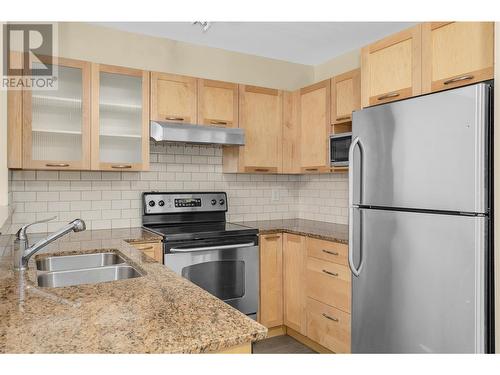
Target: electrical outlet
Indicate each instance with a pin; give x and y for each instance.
(275, 195)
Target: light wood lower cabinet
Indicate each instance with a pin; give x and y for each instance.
(329, 326)
(329, 283)
(271, 280)
(330, 251)
(305, 286)
(294, 258)
(153, 250)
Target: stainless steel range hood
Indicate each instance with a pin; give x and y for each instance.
(187, 133)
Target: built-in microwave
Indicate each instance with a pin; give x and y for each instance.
(339, 149)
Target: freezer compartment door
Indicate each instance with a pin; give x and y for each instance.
(421, 286)
(428, 152)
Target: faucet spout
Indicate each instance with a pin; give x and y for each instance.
(23, 252)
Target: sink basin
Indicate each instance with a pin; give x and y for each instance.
(58, 279)
(80, 261)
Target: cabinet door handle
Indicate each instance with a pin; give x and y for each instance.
(57, 165)
(311, 169)
(330, 318)
(215, 122)
(330, 273)
(387, 96)
(343, 118)
(146, 248)
(261, 169)
(174, 118)
(458, 79)
(330, 252)
(121, 166)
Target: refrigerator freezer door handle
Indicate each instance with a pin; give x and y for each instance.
(355, 142)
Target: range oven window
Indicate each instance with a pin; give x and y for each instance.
(224, 279)
(339, 149)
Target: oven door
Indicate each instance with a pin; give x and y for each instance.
(339, 149)
(228, 269)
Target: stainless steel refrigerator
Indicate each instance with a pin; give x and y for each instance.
(419, 224)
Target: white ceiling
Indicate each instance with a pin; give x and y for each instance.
(309, 43)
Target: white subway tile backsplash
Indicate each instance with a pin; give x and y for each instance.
(113, 199)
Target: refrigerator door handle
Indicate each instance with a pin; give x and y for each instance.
(355, 142)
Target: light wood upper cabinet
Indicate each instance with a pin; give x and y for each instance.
(173, 98)
(315, 127)
(294, 282)
(55, 124)
(346, 96)
(456, 54)
(291, 132)
(271, 280)
(120, 118)
(260, 115)
(391, 68)
(217, 103)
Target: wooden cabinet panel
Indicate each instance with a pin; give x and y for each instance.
(315, 127)
(260, 114)
(217, 103)
(271, 280)
(56, 124)
(330, 251)
(329, 326)
(291, 132)
(173, 98)
(294, 263)
(329, 283)
(153, 250)
(456, 54)
(391, 68)
(120, 118)
(345, 95)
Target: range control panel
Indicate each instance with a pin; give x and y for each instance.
(168, 203)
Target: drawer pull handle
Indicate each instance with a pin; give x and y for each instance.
(57, 165)
(458, 79)
(387, 96)
(174, 118)
(343, 118)
(330, 318)
(311, 169)
(330, 273)
(146, 248)
(271, 237)
(330, 252)
(121, 166)
(261, 169)
(215, 122)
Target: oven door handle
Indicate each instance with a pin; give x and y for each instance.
(207, 248)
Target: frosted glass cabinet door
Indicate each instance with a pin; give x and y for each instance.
(56, 123)
(120, 118)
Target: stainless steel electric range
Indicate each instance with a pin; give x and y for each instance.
(198, 244)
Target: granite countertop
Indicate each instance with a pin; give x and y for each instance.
(157, 313)
(311, 228)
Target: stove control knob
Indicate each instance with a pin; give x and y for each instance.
(151, 203)
(213, 201)
(222, 201)
(161, 203)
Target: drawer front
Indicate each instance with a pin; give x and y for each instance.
(152, 249)
(329, 326)
(327, 250)
(329, 283)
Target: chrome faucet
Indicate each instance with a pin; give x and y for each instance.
(23, 252)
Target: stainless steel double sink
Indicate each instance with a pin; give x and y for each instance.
(69, 270)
